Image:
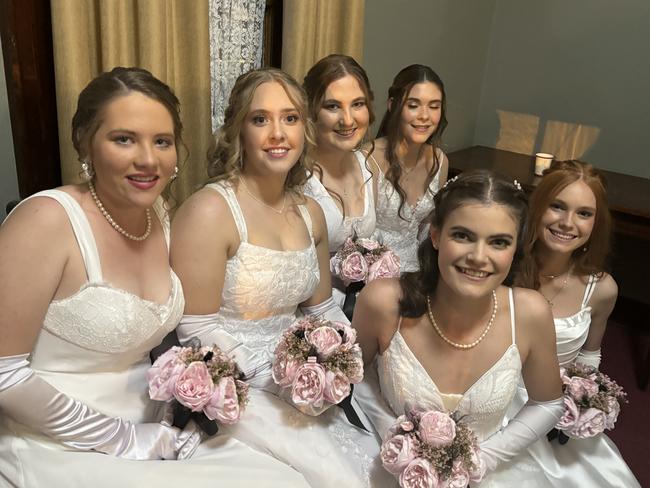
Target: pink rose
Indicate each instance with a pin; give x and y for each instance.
(284, 369)
(479, 468)
(325, 339)
(349, 335)
(570, 415)
(459, 477)
(397, 453)
(387, 266)
(590, 423)
(224, 403)
(354, 268)
(612, 415)
(581, 387)
(397, 426)
(337, 387)
(437, 429)
(163, 374)
(406, 426)
(309, 385)
(419, 474)
(194, 386)
(368, 244)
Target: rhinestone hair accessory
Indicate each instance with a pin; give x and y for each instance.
(517, 185)
(450, 181)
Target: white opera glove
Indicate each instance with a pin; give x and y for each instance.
(532, 422)
(255, 368)
(327, 309)
(367, 395)
(589, 358)
(30, 400)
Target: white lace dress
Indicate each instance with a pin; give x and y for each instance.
(594, 462)
(261, 293)
(339, 228)
(94, 346)
(483, 406)
(402, 233)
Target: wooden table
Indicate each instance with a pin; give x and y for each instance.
(629, 202)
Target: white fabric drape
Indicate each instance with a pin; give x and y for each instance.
(236, 38)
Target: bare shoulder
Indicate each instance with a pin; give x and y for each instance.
(605, 294)
(39, 216)
(532, 313)
(381, 298)
(317, 216)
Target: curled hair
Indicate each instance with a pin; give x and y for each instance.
(390, 123)
(482, 187)
(560, 175)
(319, 77)
(226, 155)
(110, 85)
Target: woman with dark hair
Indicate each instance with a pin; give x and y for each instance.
(86, 293)
(251, 250)
(340, 106)
(410, 164)
(565, 250)
(453, 337)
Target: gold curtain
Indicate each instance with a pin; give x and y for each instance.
(167, 37)
(313, 29)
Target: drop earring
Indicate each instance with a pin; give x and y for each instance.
(175, 175)
(87, 170)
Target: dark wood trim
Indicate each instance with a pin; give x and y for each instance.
(26, 30)
(272, 50)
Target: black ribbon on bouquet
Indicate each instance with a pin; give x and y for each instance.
(350, 412)
(561, 437)
(182, 415)
(351, 298)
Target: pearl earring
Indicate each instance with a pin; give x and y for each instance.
(87, 170)
(175, 175)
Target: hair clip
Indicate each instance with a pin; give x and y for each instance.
(517, 185)
(450, 181)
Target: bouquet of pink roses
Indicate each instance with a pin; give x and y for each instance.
(205, 383)
(592, 401)
(316, 361)
(364, 260)
(429, 449)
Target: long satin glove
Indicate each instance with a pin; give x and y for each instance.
(326, 309)
(367, 395)
(589, 358)
(31, 401)
(532, 422)
(256, 369)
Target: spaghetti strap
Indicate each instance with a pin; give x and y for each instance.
(589, 290)
(512, 313)
(81, 228)
(307, 218)
(227, 192)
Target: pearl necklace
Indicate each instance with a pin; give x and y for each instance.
(495, 307)
(284, 200)
(114, 224)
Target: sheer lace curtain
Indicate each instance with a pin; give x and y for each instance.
(236, 38)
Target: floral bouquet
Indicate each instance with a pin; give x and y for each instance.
(592, 401)
(429, 449)
(315, 362)
(364, 260)
(205, 384)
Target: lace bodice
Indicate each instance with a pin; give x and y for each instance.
(403, 379)
(263, 287)
(401, 233)
(571, 332)
(339, 228)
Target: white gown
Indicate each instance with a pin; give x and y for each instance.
(261, 294)
(94, 346)
(339, 228)
(402, 234)
(483, 406)
(594, 462)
